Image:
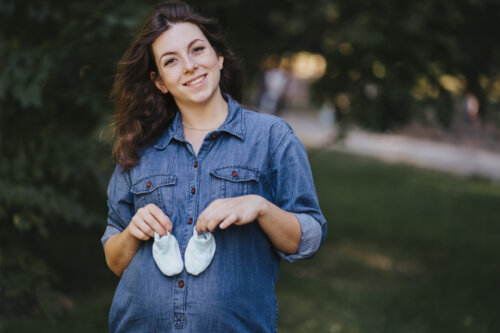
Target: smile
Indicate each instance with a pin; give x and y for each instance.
(195, 81)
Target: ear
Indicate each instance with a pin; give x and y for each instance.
(220, 60)
(158, 82)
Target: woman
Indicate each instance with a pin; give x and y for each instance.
(191, 160)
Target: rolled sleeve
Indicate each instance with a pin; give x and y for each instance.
(294, 191)
(120, 204)
(310, 239)
(110, 231)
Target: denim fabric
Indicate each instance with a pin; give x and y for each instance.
(250, 153)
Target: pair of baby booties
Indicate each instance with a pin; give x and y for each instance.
(199, 253)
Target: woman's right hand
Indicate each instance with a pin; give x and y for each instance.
(148, 220)
(121, 248)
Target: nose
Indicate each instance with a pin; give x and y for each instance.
(189, 65)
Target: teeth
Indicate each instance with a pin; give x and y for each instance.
(195, 81)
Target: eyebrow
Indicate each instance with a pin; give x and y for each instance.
(189, 45)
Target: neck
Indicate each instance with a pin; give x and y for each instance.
(206, 115)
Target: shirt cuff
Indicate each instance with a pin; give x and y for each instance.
(310, 239)
(110, 231)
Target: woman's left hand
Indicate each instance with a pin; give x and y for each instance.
(224, 212)
(282, 227)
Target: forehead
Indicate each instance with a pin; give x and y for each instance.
(178, 36)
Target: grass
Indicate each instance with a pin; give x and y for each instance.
(408, 250)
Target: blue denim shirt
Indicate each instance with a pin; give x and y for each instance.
(236, 292)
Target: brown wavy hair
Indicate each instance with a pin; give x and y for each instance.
(142, 111)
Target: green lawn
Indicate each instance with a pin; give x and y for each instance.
(408, 250)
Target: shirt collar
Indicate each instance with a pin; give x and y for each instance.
(234, 125)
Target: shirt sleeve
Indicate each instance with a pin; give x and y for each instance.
(294, 191)
(120, 204)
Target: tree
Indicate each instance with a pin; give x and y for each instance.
(56, 69)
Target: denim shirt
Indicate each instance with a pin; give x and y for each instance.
(250, 153)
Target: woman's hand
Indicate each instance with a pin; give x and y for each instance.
(224, 212)
(281, 227)
(148, 220)
(121, 248)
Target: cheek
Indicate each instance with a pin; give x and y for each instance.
(217, 76)
(210, 60)
(170, 77)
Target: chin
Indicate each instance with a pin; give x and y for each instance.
(203, 97)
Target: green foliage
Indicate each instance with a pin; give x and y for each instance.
(393, 45)
(379, 53)
(56, 68)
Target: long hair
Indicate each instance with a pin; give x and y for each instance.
(142, 111)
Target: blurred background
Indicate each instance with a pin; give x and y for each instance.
(398, 103)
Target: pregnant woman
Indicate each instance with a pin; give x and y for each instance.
(206, 197)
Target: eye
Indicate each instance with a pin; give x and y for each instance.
(168, 62)
(198, 49)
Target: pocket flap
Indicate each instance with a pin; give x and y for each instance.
(151, 183)
(236, 174)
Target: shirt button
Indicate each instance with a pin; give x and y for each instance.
(214, 135)
(181, 284)
(195, 164)
(193, 190)
(148, 185)
(190, 221)
(235, 174)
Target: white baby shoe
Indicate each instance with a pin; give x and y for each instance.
(167, 254)
(199, 252)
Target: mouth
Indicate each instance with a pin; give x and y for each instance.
(195, 80)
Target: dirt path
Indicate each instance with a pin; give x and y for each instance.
(400, 149)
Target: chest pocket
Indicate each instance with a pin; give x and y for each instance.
(156, 189)
(229, 182)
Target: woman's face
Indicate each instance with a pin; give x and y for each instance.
(188, 66)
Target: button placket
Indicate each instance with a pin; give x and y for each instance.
(191, 170)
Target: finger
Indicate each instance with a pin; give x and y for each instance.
(214, 214)
(137, 233)
(161, 217)
(201, 222)
(153, 224)
(233, 218)
(211, 216)
(214, 222)
(142, 225)
(201, 226)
